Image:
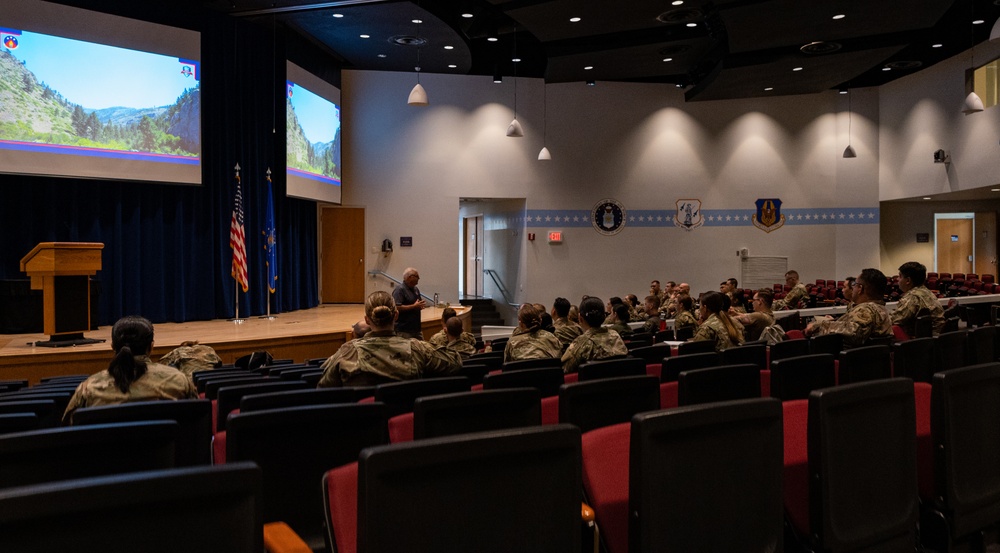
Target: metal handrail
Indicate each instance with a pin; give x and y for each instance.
(376, 272)
(503, 290)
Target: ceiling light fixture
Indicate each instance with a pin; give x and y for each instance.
(365, 36)
(796, 69)
(417, 21)
(452, 66)
(497, 77)
(449, 47)
(514, 130)
(677, 2)
(544, 154)
(973, 103)
(692, 24)
(338, 15)
(839, 16)
(938, 45)
(418, 96)
(588, 67)
(574, 20)
(849, 151)
(492, 39)
(467, 15)
(591, 82)
(927, 197)
(668, 59)
(769, 89)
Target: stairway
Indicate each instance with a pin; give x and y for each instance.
(483, 313)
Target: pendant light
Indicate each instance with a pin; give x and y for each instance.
(514, 130)
(544, 154)
(849, 151)
(418, 96)
(973, 103)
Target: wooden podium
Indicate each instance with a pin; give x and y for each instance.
(62, 271)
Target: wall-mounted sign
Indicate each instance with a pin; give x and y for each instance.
(555, 237)
(405, 241)
(923, 237)
(768, 216)
(954, 238)
(688, 215)
(608, 217)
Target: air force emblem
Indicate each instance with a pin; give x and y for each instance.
(768, 216)
(688, 215)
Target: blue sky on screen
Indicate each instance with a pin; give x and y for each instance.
(98, 76)
(319, 117)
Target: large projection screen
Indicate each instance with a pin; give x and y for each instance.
(313, 145)
(86, 94)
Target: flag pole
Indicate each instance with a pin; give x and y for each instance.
(236, 242)
(270, 243)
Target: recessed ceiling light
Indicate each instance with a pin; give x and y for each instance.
(417, 21)
(938, 45)
(886, 69)
(515, 60)
(338, 15)
(449, 47)
(692, 24)
(492, 39)
(677, 2)
(574, 20)
(366, 36)
(796, 69)
(452, 66)
(381, 55)
(668, 59)
(467, 15)
(978, 22)
(588, 68)
(843, 91)
(769, 89)
(927, 197)
(994, 189)
(839, 16)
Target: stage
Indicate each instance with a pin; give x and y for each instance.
(297, 335)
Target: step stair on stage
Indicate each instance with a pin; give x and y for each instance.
(484, 312)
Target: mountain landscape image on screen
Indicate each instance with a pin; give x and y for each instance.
(316, 158)
(32, 112)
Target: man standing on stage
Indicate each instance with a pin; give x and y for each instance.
(409, 304)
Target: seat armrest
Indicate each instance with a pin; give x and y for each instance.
(280, 538)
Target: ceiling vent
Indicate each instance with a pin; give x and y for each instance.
(904, 64)
(681, 15)
(820, 47)
(408, 40)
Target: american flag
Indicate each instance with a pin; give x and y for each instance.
(236, 240)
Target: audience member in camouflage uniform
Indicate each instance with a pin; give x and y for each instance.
(655, 290)
(635, 311)
(796, 297)
(529, 341)
(609, 309)
(192, 357)
(755, 322)
(869, 318)
(916, 296)
(382, 356)
(620, 320)
(652, 324)
(566, 330)
(716, 326)
(596, 342)
(848, 292)
(685, 317)
(459, 340)
(441, 338)
(131, 376)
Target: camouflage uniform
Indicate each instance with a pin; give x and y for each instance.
(795, 298)
(540, 344)
(566, 331)
(595, 343)
(636, 314)
(442, 339)
(911, 303)
(192, 359)
(465, 345)
(866, 321)
(685, 319)
(159, 382)
(754, 323)
(713, 329)
(621, 328)
(382, 357)
(652, 324)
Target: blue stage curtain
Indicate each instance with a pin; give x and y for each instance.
(166, 247)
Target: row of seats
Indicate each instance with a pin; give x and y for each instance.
(842, 465)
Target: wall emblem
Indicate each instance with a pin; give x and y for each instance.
(768, 216)
(688, 215)
(608, 217)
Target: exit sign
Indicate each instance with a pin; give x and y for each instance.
(555, 237)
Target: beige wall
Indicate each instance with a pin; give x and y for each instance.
(639, 144)
(902, 221)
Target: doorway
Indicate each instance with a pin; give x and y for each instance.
(472, 281)
(342, 264)
(954, 242)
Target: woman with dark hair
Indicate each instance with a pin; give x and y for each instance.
(596, 342)
(382, 356)
(131, 376)
(620, 319)
(529, 340)
(716, 324)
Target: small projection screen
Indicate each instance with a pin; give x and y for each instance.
(312, 126)
(86, 94)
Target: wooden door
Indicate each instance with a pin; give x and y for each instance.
(473, 228)
(343, 260)
(986, 243)
(954, 245)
